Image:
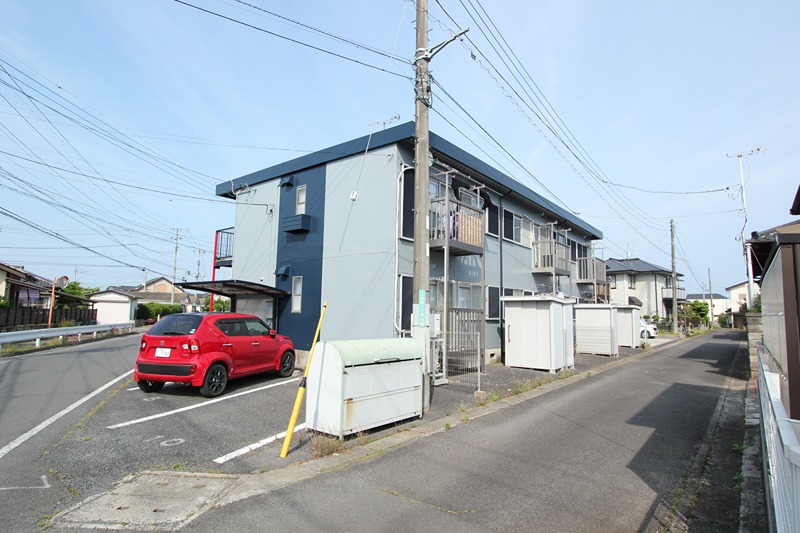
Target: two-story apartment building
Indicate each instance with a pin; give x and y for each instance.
(636, 282)
(337, 226)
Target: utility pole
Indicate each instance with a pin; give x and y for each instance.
(711, 298)
(748, 260)
(421, 283)
(197, 274)
(174, 266)
(674, 278)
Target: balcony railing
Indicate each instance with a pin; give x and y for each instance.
(666, 293)
(550, 257)
(456, 225)
(223, 255)
(591, 270)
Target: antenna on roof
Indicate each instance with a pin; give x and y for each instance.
(387, 121)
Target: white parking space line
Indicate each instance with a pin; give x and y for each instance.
(209, 402)
(45, 485)
(256, 445)
(22, 438)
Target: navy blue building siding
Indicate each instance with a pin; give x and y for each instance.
(301, 251)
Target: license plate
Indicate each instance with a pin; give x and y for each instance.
(162, 352)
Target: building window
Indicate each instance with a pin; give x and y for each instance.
(612, 281)
(492, 303)
(669, 281)
(492, 221)
(406, 302)
(300, 203)
(297, 294)
(407, 227)
(516, 228)
(631, 281)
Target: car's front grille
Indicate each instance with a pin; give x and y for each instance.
(165, 370)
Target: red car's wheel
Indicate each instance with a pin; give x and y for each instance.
(215, 381)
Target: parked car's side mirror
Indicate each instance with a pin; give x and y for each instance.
(272, 333)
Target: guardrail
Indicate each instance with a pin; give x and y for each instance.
(37, 335)
(781, 452)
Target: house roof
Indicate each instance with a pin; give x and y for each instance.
(115, 291)
(13, 270)
(704, 296)
(635, 265)
(400, 134)
(735, 285)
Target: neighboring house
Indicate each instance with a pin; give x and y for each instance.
(337, 226)
(114, 306)
(636, 282)
(739, 295)
(161, 290)
(21, 288)
(719, 302)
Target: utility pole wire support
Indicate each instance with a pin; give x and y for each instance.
(745, 245)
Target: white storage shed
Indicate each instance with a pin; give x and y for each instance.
(596, 329)
(361, 384)
(628, 317)
(539, 332)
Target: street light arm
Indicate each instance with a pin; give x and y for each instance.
(428, 54)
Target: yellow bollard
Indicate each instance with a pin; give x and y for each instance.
(301, 391)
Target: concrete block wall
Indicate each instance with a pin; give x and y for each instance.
(755, 334)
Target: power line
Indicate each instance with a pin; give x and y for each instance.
(295, 41)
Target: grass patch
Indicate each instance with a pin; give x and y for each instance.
(447, 425)
(566, 373)
(323, 445)
(491, 397)
(739, 448)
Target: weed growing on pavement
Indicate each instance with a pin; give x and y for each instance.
(44, 522)
(362, 438)
(739, 448)
(322, 445)
(491, 397)
(738, 480)
(462, 407)
(447, 425)
(566, 373)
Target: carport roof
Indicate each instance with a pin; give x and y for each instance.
(232, 288)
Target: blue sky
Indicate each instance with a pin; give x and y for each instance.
(143, 107)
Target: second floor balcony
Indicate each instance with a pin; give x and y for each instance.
(591, 270)
(666, 293)
(456, 225)
(550, 257)
(223, 249)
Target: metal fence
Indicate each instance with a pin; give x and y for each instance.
(13, 318)
(36, 336)
(459, 356)
(781, 442)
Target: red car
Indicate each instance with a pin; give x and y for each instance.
(207, 349)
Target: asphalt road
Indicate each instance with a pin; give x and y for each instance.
(610, 452)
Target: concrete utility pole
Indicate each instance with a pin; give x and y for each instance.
(748, 260)
(674, 279)
(174, 266)
(711, 298)
(421, 284)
